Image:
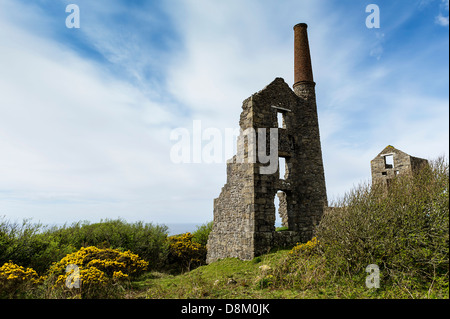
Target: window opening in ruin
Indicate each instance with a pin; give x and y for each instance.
(278, 221)
(384, 173)
(396, 172)
(280, 120)
(389, 161)
(282, 167)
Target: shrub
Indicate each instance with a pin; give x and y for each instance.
(184, 252)
(404, 231)
(307, 248)
(145, 239)
(303, 268)
(201, 235)
(101, 271)
(37, 246)
(19, 242)
(16, 280)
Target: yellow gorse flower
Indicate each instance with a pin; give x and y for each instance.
(15, 274)
(307, 247)
(99, 266)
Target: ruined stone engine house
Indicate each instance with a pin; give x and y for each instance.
(244, 212)
(391, 162)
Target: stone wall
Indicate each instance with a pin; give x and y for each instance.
(384, 169)
(244, 212)
(233, 215)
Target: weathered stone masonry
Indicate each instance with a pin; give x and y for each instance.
(244, 212)
(391, 162)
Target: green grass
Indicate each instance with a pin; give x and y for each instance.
(227, 278)
(232, 278)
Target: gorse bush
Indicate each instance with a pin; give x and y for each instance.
(36, 246)
(188, 250)
(404, 230)
(184, 252)
(15, 280)
(100, 271)
(145, 239)
(305, 248)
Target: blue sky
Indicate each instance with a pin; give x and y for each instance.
(86, 114)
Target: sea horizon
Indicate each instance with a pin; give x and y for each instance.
(180, 228)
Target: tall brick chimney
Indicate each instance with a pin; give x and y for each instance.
(304, 87)
(302, 58)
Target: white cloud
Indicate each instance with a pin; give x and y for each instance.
(445, 4)
(441, 20)
(75, 141)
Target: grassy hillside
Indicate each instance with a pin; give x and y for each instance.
(227, 278)
(267, 277)
(404, 232)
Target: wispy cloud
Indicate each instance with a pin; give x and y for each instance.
(74, 135)
(442, 18)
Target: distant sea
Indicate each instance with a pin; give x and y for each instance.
(174, 228)
(180, 228)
